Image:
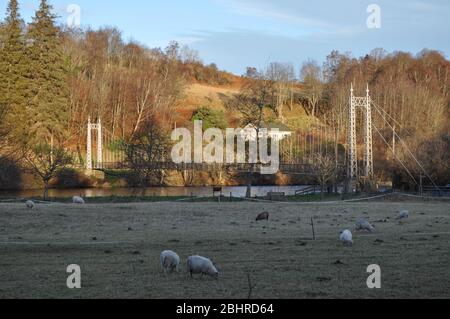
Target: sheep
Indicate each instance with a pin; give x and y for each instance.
(201, 265)
(347, 238)
(30, 204)
(363, 224)
(262, 216)
(404, 214)
(78, 200)
(170, 261)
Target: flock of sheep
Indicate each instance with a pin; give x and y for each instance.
(346, 236)
(170, 261)
(76, 200)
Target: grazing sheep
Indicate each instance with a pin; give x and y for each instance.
(170, 261)
(404, 214)
(201, 265)
(30, 204)
(78, 200)
(262, 216)
(363, 224)
(347, 238)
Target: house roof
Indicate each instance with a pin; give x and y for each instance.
(273, 125)
(277, 125)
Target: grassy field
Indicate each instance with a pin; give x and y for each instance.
(118, 246)
(192, 199)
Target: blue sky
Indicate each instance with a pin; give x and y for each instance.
(239, 33)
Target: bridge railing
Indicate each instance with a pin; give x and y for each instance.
(300, 168)
(441, 191)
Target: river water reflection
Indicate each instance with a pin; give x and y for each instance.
(236, 191)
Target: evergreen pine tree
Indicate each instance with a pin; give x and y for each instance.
(13, 69)
(49, 86)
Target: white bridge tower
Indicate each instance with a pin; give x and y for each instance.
(352, 142)
(90, 128)
(365, 103)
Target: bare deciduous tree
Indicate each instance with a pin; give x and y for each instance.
(149, 146)
(283, 76)
(46, 162)
(311, 74)
(324, 170)
(255, 96)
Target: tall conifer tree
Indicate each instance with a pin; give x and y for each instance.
(49, 77)
(13, 69)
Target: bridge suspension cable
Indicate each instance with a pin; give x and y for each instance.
(398, 159)
(380, 110)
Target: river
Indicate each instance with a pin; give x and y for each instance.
(236, 191)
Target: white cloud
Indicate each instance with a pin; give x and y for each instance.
(425, 6)
(270, 11)
(188, 40)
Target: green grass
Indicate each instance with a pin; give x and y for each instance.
(116, 199)
(324, 198)
(313, 198)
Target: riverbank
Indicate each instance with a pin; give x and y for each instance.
(311, 198)
(14, 179)
(187, 199)
(158, 192)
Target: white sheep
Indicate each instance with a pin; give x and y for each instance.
(78, 200)
(201, 265)
(30, 204)
(170, 261)
(404, 214)
(347, 237)
(363, 224)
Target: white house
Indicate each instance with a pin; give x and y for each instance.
(275, 131)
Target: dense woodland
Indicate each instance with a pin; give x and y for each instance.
(53, 79)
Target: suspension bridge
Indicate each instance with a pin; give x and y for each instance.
(296, 153)
(104, 153)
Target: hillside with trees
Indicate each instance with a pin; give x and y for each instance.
(54, 79)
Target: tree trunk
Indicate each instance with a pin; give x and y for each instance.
(80, 157)
(162, 177)
(322, 191)
(143, 182)
(46, 190)
(249, 183)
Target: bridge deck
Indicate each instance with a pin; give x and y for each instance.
(306, 169)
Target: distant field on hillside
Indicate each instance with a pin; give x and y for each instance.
(202, 95)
